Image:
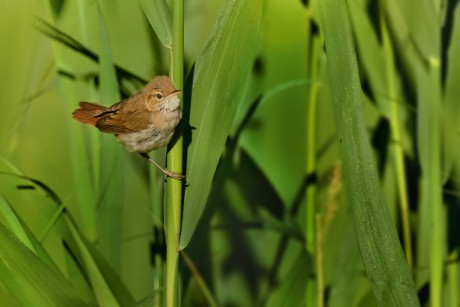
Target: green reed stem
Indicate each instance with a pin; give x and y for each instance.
(174, 186)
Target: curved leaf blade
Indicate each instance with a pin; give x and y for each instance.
(219, 80)
(29, 280)
(160, 18)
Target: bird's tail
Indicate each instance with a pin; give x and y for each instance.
(88, 112)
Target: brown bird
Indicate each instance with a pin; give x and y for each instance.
(142, 122)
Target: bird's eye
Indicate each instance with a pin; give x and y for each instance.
(159, 96)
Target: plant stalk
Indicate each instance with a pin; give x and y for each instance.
(174, 157)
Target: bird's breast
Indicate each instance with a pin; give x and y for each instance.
(158, 134)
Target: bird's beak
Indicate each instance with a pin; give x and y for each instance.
(175, 93)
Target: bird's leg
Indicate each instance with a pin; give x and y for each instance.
(165, 171)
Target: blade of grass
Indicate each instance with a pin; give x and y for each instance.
(65, 39)
(379, 244)
(30, 281)
(219, 81)
(17, 226)
(160, 18)
(106, 285)
(378, 62)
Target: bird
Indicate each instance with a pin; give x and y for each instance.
(141, 123)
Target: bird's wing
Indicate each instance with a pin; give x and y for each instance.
(123, 117)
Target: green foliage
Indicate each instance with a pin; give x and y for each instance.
(378, 241)
(160, 18)
(262, 218)
(219, 80)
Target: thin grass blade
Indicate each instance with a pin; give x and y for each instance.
(160, 18)
(29, 280)
(105, 283)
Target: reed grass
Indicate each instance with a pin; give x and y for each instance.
(83, 223)
(173, 209)
(379, 244)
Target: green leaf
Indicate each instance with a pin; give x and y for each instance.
(218, 84)
(67, 40)
(29, 280)
(160, 18)
(379, 244)
(17, 226)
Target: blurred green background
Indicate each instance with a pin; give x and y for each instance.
(275, 228)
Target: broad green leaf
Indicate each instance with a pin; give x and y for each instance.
(218, 84)
(160, 18)
(30, 281)
(381, 251)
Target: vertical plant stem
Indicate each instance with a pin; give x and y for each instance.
(156, 195)
(174, 186)
(434, 190)
(428, 126)
(397, 144)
